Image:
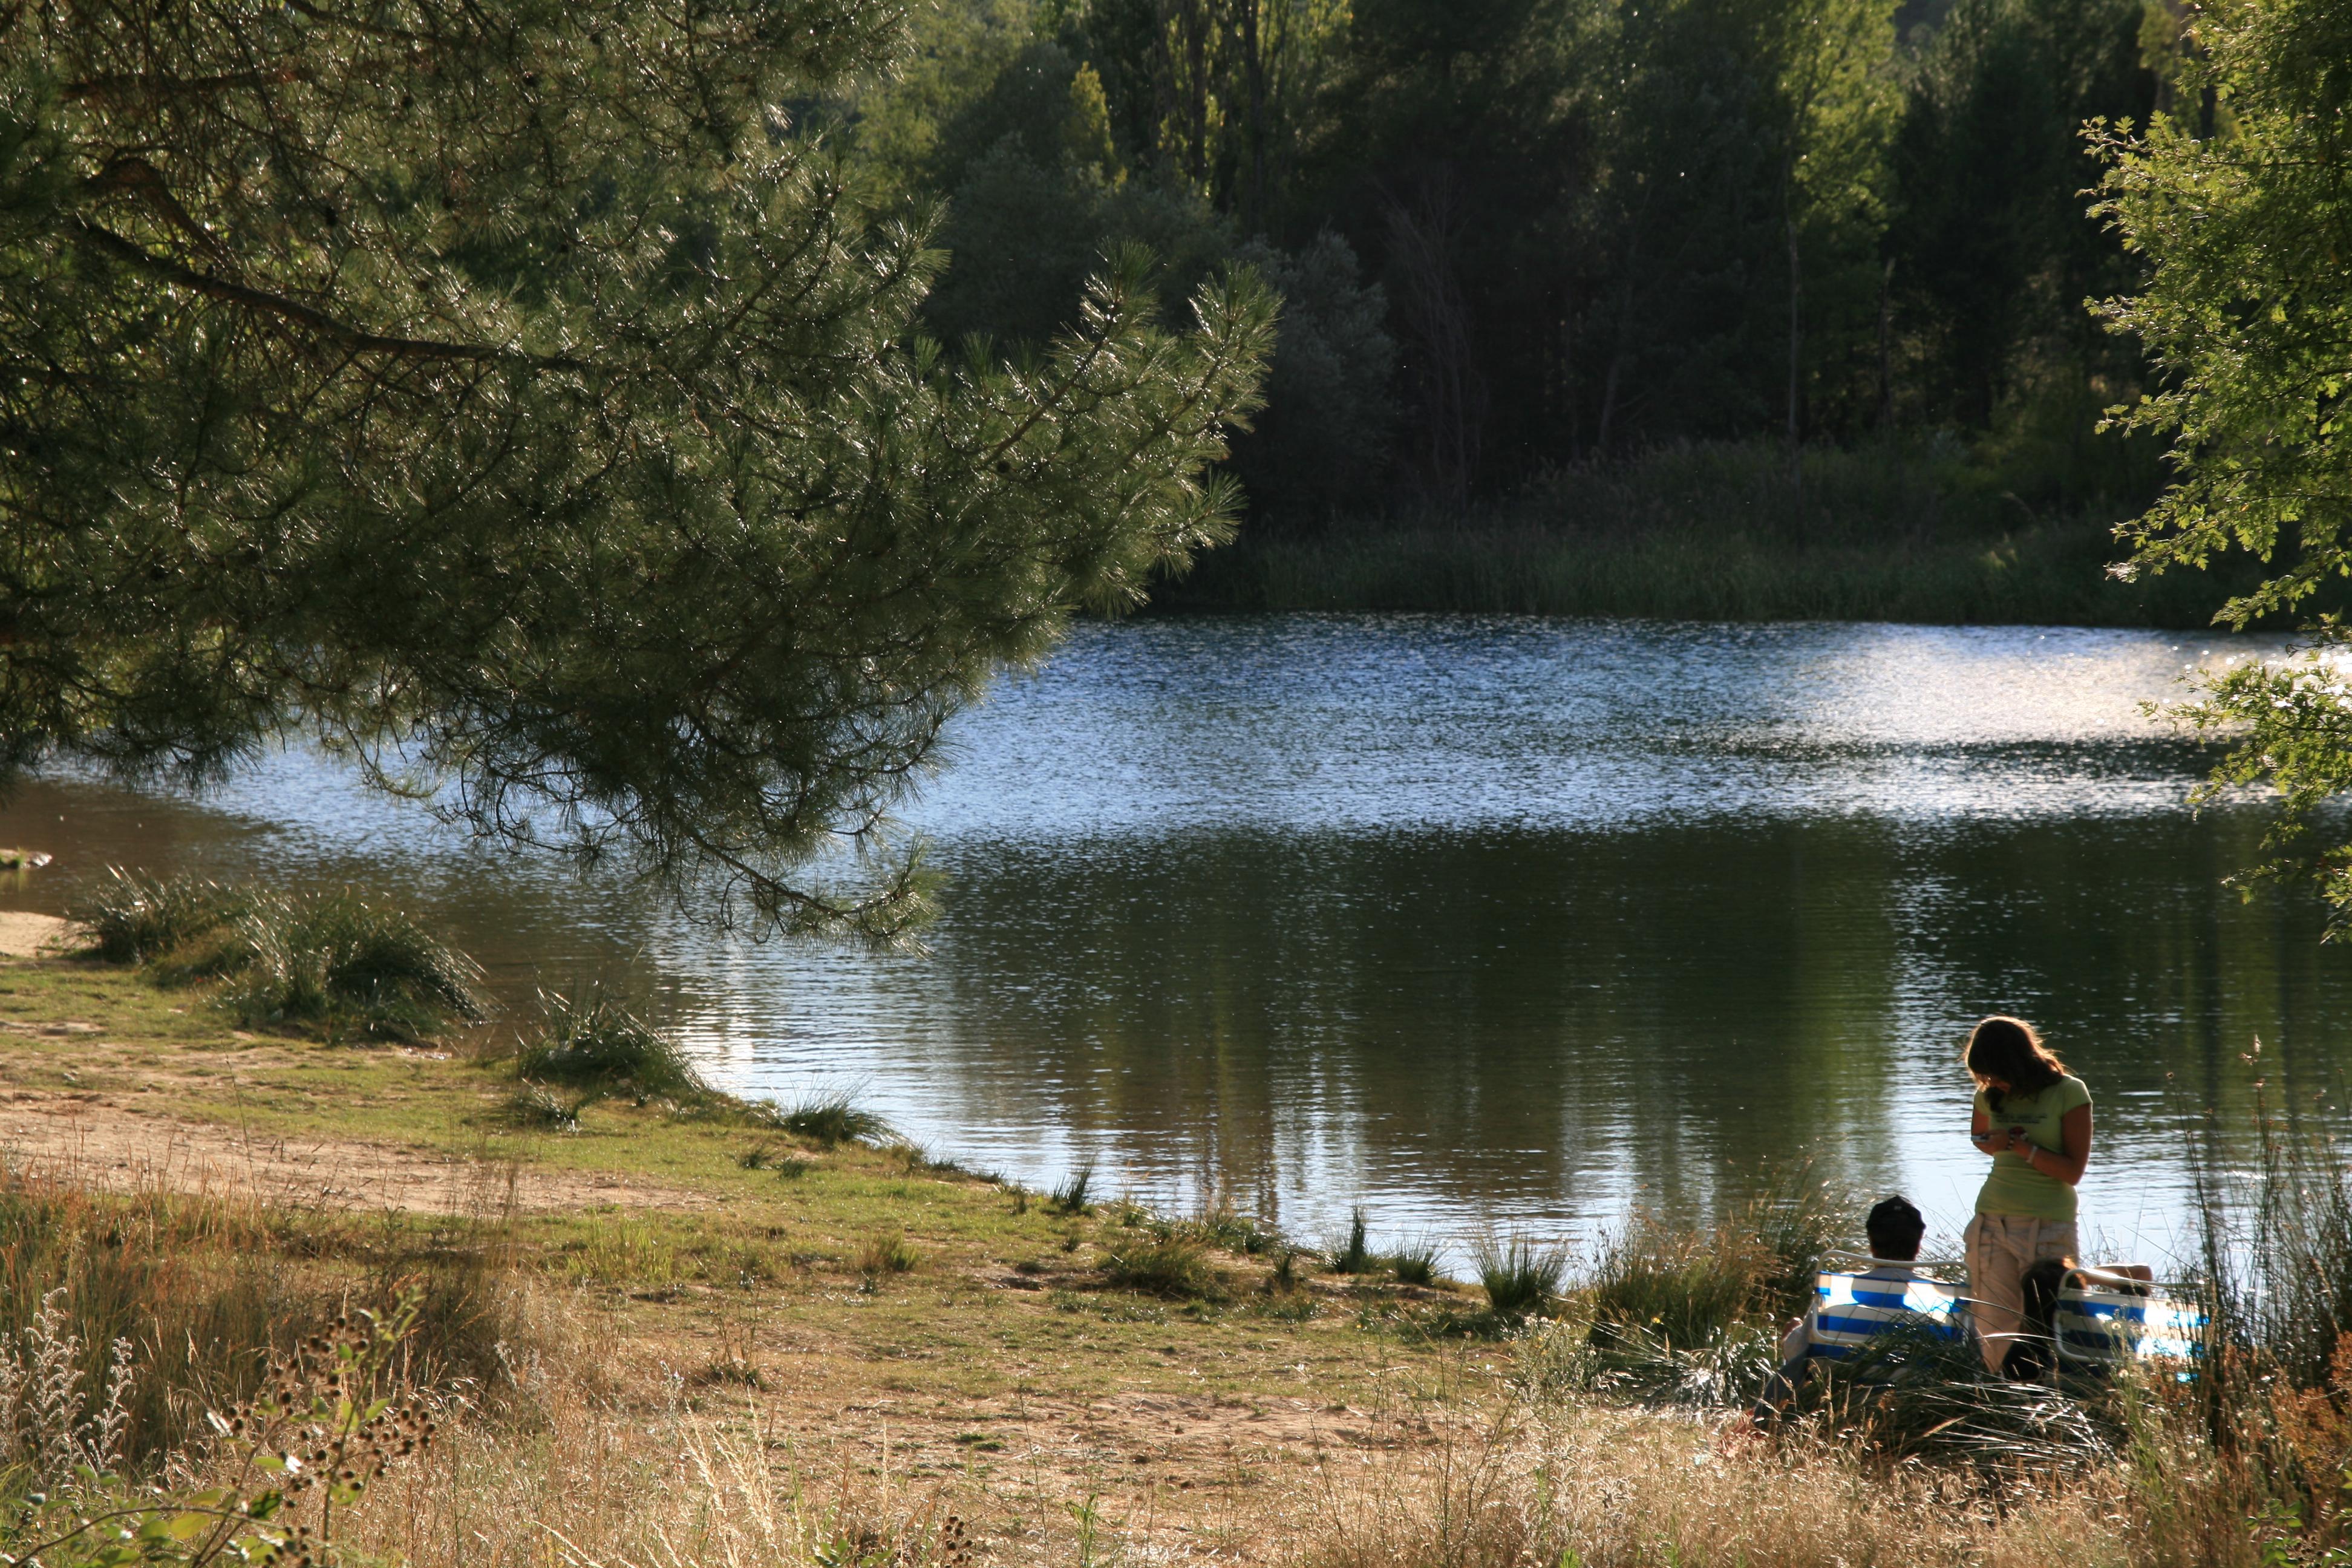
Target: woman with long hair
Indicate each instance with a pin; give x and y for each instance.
(2034, 1118)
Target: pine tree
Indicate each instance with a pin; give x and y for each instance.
(511, 396)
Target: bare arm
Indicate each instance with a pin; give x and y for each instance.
(2074, 1153)
(1981, 1133)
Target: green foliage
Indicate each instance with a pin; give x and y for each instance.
(135, 918)
(518, 400)
(1991, 254)
(1323, 441)
(595, 1041)
(2241, 203)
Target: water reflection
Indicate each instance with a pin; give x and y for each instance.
(1478, 922)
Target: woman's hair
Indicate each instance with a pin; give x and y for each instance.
(2007, 1050)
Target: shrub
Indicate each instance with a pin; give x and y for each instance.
(1173, 1267)
(831, 1120)
(338, 1396)
(207, 1291)
(595, 1042)
(135, 919)
(1520, 1277)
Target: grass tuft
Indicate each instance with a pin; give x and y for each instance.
(1070, 1197)
(1521, 1278)
(887, 1254)
(1672, 1284)
(1353, 1256)
(831, 1120)
(135, 919)
(533, 1107)
(597, 1043)
(1175, 1266)
(1414, 1262)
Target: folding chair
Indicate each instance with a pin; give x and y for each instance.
(2107, 1318)
(1851, 1309)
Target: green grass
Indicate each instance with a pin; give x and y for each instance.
(532, 1106)
(1071, 1196)
(1414, 1263)
(887, 1254)
(1354, 1254)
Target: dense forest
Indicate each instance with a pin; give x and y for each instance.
(1518, 239)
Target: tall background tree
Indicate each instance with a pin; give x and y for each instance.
(519, 399)
(1574, 231)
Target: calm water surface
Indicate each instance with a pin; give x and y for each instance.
(1480, 923)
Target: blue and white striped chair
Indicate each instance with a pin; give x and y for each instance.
(2107, 1318)
(1849, 1310)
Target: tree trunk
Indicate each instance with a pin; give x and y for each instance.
(1796, 337)
(1253, 68)
(1886, 348)
(1795, 357)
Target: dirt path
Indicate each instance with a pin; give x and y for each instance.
(106, 1140)
(23, 934)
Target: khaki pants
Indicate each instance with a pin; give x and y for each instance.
(2002, 1247)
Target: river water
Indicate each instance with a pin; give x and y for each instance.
(1484, 924)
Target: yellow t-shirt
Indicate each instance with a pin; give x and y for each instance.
(2014, 1187)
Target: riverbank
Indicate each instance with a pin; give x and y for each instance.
(1919, 533)
(682, 1334)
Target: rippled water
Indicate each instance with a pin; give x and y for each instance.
(1481, 923)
